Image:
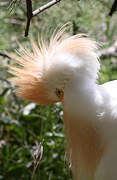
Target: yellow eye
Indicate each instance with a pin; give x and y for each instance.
(59, 93)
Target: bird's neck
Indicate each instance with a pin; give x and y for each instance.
(82, 96)
(81, 103)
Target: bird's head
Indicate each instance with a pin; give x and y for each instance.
(42, 74)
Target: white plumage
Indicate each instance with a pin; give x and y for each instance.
(67, 71)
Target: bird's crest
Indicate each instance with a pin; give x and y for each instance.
(31, 72)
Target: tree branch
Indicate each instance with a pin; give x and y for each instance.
(113, 8)
(4, 3)
(31, 14)
(46, 6)
(4, 55)
(108, 52)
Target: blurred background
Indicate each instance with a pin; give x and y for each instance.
(23, 124)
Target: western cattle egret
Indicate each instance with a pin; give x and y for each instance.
(66, 71)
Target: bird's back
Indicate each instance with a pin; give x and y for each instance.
(111, 88)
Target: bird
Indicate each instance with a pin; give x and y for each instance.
(66, 70)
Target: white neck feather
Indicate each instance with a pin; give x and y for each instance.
(82, 96)
(82, 102)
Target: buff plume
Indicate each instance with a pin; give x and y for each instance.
(31, 70)
(31, 73)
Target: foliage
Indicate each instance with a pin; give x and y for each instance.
(24, 124)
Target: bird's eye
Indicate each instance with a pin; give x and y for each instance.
(59, 93)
